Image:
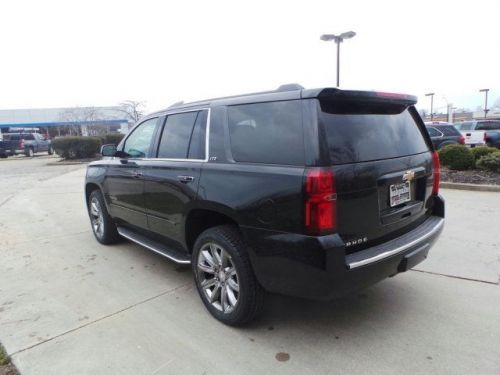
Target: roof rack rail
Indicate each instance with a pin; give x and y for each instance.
(290, 87)
(177, 104)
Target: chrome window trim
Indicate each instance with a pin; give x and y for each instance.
(207, 137)
(439, 131)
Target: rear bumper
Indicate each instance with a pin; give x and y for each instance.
(317, 267)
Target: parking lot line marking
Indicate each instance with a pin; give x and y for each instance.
(459, 277)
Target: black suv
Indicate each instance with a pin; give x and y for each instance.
(312, 193)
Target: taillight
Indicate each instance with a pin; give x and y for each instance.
(485, 138)
(461, 140)
(435, 162)
(321, 202)
(21, 143)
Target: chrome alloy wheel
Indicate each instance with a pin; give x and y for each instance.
(218, 277)
(96, 217)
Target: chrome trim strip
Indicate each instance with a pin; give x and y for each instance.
(207, 137)
(180, 261)
(399, 249)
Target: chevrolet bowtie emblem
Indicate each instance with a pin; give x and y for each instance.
(409, 176)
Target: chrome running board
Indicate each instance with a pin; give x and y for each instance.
(157, 247)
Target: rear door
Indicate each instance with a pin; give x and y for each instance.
(172, 175)
(382, 160)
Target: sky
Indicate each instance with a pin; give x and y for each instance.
(97, 53)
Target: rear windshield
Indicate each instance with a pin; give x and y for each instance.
(363, 135)
(464, 126)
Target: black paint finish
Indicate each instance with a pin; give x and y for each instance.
(159, 196)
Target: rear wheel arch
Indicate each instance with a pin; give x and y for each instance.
(200, 219)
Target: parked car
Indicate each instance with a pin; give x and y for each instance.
(491, 132)
(311, 193)
(25, 143)
(474, 131)
(443, 134)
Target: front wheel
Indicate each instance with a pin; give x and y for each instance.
(102, 224)
(224, 276)
(29, 152)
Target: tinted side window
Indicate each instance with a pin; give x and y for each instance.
(139, 142)
(267, 133)
(176, 134)
(449, 131)
(433, 132)
(28, 137)
(198, 138)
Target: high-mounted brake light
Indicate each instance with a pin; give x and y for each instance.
(437, 173)
(391, 95)
(321, 202)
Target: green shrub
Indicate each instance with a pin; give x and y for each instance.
(77, 147)
(478, 152)
(456, 157)
(112, 138)
(490, 162)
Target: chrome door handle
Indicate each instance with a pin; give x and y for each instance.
(185, 179)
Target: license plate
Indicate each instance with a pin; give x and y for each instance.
(399, 193)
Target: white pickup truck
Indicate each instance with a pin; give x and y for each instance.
(473, 132)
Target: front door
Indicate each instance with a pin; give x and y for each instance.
(124, 184)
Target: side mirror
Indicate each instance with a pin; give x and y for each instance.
(108, 150)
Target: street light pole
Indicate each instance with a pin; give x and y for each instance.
(431, 94)
(485, 101)
(338, 64)
(338, 39)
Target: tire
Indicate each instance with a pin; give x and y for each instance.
(51, 151)
(29, 152)
(220, 262)
(102, 224)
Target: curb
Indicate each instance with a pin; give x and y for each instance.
(471, 187)
(74, 162)
(67, 163)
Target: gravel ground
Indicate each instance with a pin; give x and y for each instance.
(475, 176)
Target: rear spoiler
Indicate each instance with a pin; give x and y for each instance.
(368, 96)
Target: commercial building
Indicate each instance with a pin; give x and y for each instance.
(61, 121)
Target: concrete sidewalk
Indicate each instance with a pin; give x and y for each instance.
(71, 306)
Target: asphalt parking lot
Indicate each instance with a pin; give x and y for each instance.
(69, 305)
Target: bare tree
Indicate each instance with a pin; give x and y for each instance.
(133, 110)
(78, 120)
